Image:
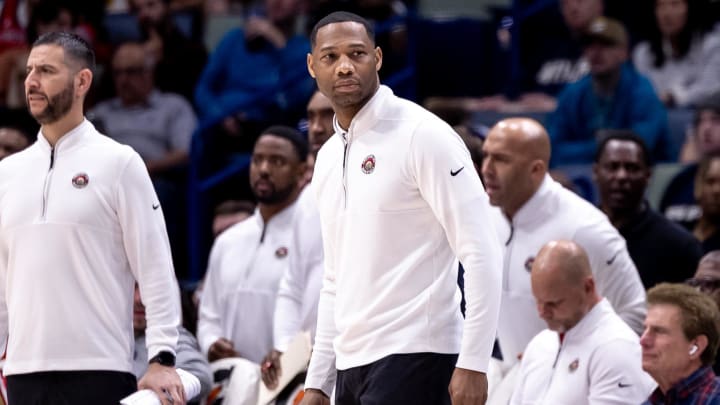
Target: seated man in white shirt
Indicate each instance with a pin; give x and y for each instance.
(247, 260)
(588, 355)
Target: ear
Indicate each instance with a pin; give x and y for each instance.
(310, 68)
(595, 169)
(378, 58)
(702, 343)
(83, 80)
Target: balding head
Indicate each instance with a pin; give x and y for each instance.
(516, 157)
(562, 284)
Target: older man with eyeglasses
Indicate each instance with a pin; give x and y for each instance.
(707, 281)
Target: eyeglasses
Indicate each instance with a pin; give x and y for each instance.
(706, 284)
(130, 71)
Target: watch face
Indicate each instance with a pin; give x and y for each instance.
(165, 358)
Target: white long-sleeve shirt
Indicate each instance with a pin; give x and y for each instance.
(399, 201)
(79, 223)
(599, 362)
(555, 213)
(241, 284)
(299, 292)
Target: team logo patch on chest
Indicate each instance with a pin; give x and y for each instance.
(574, 365)
(80, 180)
(368, 165)
(281, 252)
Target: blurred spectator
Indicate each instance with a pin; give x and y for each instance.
(45, 16)
(534, 209)
(681, 60)
(707, 281)
(229, 213)
(257, 74)
(159, 127)
(18, 130)
(613, 95)
(602, 353)
(248, 260)
(679, 345)
(551, 55)
(707, 193)
(660, 249)
(389, 19)
(678, 202)
(179, 60)
(187, 351)
(473, 136)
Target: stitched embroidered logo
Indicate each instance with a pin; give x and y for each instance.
(368, 165)
(574, 365)
(281, 252)
(80, 180)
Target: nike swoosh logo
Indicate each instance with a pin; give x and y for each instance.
(612, 259)
(156, 206)
(621, 385)
(454, 173)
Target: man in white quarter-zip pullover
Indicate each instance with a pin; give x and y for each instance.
(399, 204)
(587, 354)
(533, 209)
(248, 259)
(79, 224)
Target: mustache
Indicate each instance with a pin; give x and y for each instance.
(36, 93)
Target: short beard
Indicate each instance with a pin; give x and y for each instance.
(57, 106)
(277, 196)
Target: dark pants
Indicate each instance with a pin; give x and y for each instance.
(70, 387)
(415, 378)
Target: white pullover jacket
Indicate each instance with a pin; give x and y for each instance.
(399, 200)
(555, 213)
(598, 362)
(79, 223)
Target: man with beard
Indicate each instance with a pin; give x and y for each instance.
(79, 224)
(299, 291)
(248, 259)
(660, 249)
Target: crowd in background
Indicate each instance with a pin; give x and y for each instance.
(192, 84)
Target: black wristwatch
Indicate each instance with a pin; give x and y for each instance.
(164, 358)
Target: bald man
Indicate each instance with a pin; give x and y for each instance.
(533, 209)
(587, 354)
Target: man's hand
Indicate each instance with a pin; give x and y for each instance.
(166, 383)
(468, 387)
(270, 369)
(221, 349)
(314, 397)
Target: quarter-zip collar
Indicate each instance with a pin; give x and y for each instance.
(368, 115)
(588, 322)
(72, 138)
(537, 207)
(281, 219)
